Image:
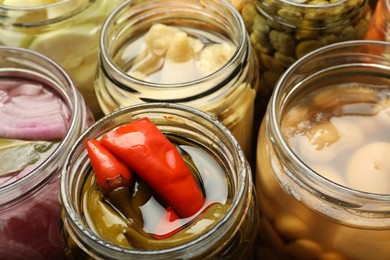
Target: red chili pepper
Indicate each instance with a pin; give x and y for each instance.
(155, 159)
(170, 216)
(110, 172)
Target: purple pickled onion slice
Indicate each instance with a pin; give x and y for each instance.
(29, 111)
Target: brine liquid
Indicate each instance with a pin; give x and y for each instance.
(343, 134)
(332, 131)
(149, 213)
(173, 54)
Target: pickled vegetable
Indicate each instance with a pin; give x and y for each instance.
(145, 216)
(167, 49)
(33, 120)
(344, 135)
(165, 171)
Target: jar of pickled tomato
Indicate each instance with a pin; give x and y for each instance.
(161, 51)
(282, 31)
(42, 114)
(323, 171)
(66, 31)
(96, 226)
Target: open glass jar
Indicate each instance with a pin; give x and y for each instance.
(232, 236)
(322, 173)
(283, 31)
(66, 31)
(161, 51)
(42, 114)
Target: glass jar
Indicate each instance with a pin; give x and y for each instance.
(378, 29)
(283, 31)
(29, 206)
(66, 31)
(228, 93)
(323, 192)
(232, 236)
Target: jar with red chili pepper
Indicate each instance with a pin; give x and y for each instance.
(196, 53)
(160, 181)
(42, 114)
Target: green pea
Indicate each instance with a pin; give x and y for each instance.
(284, 60)
(260, 24)
(327, 39)
(289, 13)
(282, 42)
(348, 33)
(262, 39)
(270, 63)
(305, 47)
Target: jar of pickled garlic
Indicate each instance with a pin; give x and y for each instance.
(42, 114)
(379, 24)
(323, 171)
(160, 51)
(66, 31)
(282, 31)
(137, 224)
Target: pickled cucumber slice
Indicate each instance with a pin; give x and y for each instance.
(68, 46)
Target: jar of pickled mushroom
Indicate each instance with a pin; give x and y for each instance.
(64, 30)
(323, 171)
(282, 31)
(42, 114)
(192, 197)
(160, 51)
(379, 24)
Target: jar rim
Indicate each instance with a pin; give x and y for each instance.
(106, 59)
(240, 193)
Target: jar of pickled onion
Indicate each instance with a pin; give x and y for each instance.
(116, 227)
(323, 172)
(42, 114)
(66, 31)
(160, 51)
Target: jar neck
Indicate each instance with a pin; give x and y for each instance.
(134, 18)
(199, 127)
(35, 16)
(288, 15)
(347, 205)
(24, 64)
